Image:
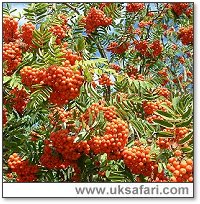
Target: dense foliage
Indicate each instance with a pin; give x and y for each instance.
(98, 92)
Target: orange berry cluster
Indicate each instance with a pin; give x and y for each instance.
(189, 12)
(66, 146)
(182, 169)
(164, 26)
(179, 8)
(143, 47)
(163, 143)
(178, 153)
(132, 30)
(116, 67)
(19, 99)
(160, 177)
(143, 24)
(156, 47)
(163, 72)
(14, 160)
(9, 175)
(164, 81)
(163, 92)
(50, 159)
(27, 34)
(164, 75)
(12, 55)
(10, 29)
(189, 74)
(64, 81)
(70, 56)
(93, 83)
(60, 115)
(116, 48)
(185, 34)
(170, 31)
(105, 80)
(63, 18)
(25, 171)
(151, 118)
(132, 71)
(134, 74)
(139, 77)
(102, 173)
(138, 160)
(113, 141)
(174, 46)
(134, 7)
(179, 132)
(95, 108)
(5, 116)
(109, 113)
(94, 19)
(30, 76)
(181, 60)
(151, 14)
(60, 30)
(150, 107)
(179, 78)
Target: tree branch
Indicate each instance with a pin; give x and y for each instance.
(159, 14)
(99, 46)
(71, 7)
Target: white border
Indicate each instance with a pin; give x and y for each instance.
(196, 115)
(127, 190)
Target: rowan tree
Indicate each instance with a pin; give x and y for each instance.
(98, 92)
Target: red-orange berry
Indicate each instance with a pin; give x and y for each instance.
(25, 171)
(185, 34)
(134, 7)
(27, 34)
(10, 29)
(94, 19)
(117, 48)
(177, 153)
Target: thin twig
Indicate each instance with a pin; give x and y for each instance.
(159, 14)
(73, 8)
